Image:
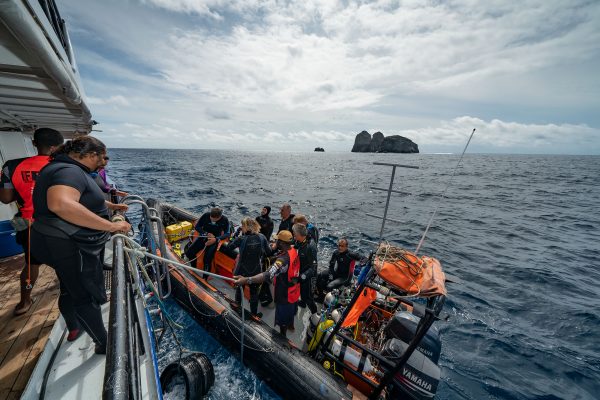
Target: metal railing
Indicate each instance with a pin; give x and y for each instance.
(129, 321)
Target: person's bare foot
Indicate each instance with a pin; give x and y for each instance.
(23, 307)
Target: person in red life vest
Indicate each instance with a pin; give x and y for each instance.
(284, 273)
(16, 184)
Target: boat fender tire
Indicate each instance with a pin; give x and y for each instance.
(197, 372)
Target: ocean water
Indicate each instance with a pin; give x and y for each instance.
(521, 232)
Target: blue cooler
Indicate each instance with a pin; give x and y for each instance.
(8, 243)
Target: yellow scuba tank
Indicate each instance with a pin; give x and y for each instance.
(320, 331)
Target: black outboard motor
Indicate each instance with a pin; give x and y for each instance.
(420, 376)
(404, 325)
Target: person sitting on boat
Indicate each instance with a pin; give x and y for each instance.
(287, 218)
(285, 275)
(71, 228)
(313, 232)
(265, 222)
(212, 227)
(340, 276)
(253, 247)
(307, 252)
(16, 184)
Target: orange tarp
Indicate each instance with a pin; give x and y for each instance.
(364, 301)
(419, 276)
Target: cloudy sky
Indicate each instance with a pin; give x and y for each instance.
(281, 75)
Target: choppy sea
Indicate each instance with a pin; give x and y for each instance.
(520, 231)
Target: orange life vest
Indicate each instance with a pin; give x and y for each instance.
(293, 272)
(23, 180)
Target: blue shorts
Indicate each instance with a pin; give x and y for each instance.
(285, 313)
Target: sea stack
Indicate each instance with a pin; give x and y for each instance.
(364, 143)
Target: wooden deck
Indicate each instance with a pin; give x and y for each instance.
(22, 338)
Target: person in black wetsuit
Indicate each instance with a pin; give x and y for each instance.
(212, 227)
(265, 222)
(340, 276)
(287, 218)
(71, 228)
(307, 252)
(253, 247)
(266, 228)
(313, 232)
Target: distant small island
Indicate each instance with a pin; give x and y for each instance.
(319, 149)
(364, 143)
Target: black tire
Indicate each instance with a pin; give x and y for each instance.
(197, 372)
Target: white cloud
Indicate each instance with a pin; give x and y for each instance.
(117, 100)
(327, 69)
(504, 135)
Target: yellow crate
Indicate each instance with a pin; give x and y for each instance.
(178, 231)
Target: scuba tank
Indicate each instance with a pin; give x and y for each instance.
(320, 330)
(312, 327)
(352, 357)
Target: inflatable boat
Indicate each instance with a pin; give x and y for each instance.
(372, 339)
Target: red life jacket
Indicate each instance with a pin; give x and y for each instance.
(23, 180)
(293, 272)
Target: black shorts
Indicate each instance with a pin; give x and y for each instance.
(22, 238)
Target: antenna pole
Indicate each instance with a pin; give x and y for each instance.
(387, 203)
(443, 195)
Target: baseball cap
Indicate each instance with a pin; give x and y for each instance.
(285, 236)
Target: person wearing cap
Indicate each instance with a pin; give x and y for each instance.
(285, 275)
(265, 222)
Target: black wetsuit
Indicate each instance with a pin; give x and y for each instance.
(307, 252)
(266, 225)
(313, 232)
(75, 253)
(252, 247)
(204, 226)
(342, 274)
(286, 224)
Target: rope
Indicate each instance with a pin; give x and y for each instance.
(394, 254)
(443, 195)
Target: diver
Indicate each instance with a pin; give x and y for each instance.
(253, 247)
(313, 232)
(285, 275)
(287, 218)
(212, 227)
(266, 228)
(265, 222)
(340, 276)
(307, 252)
